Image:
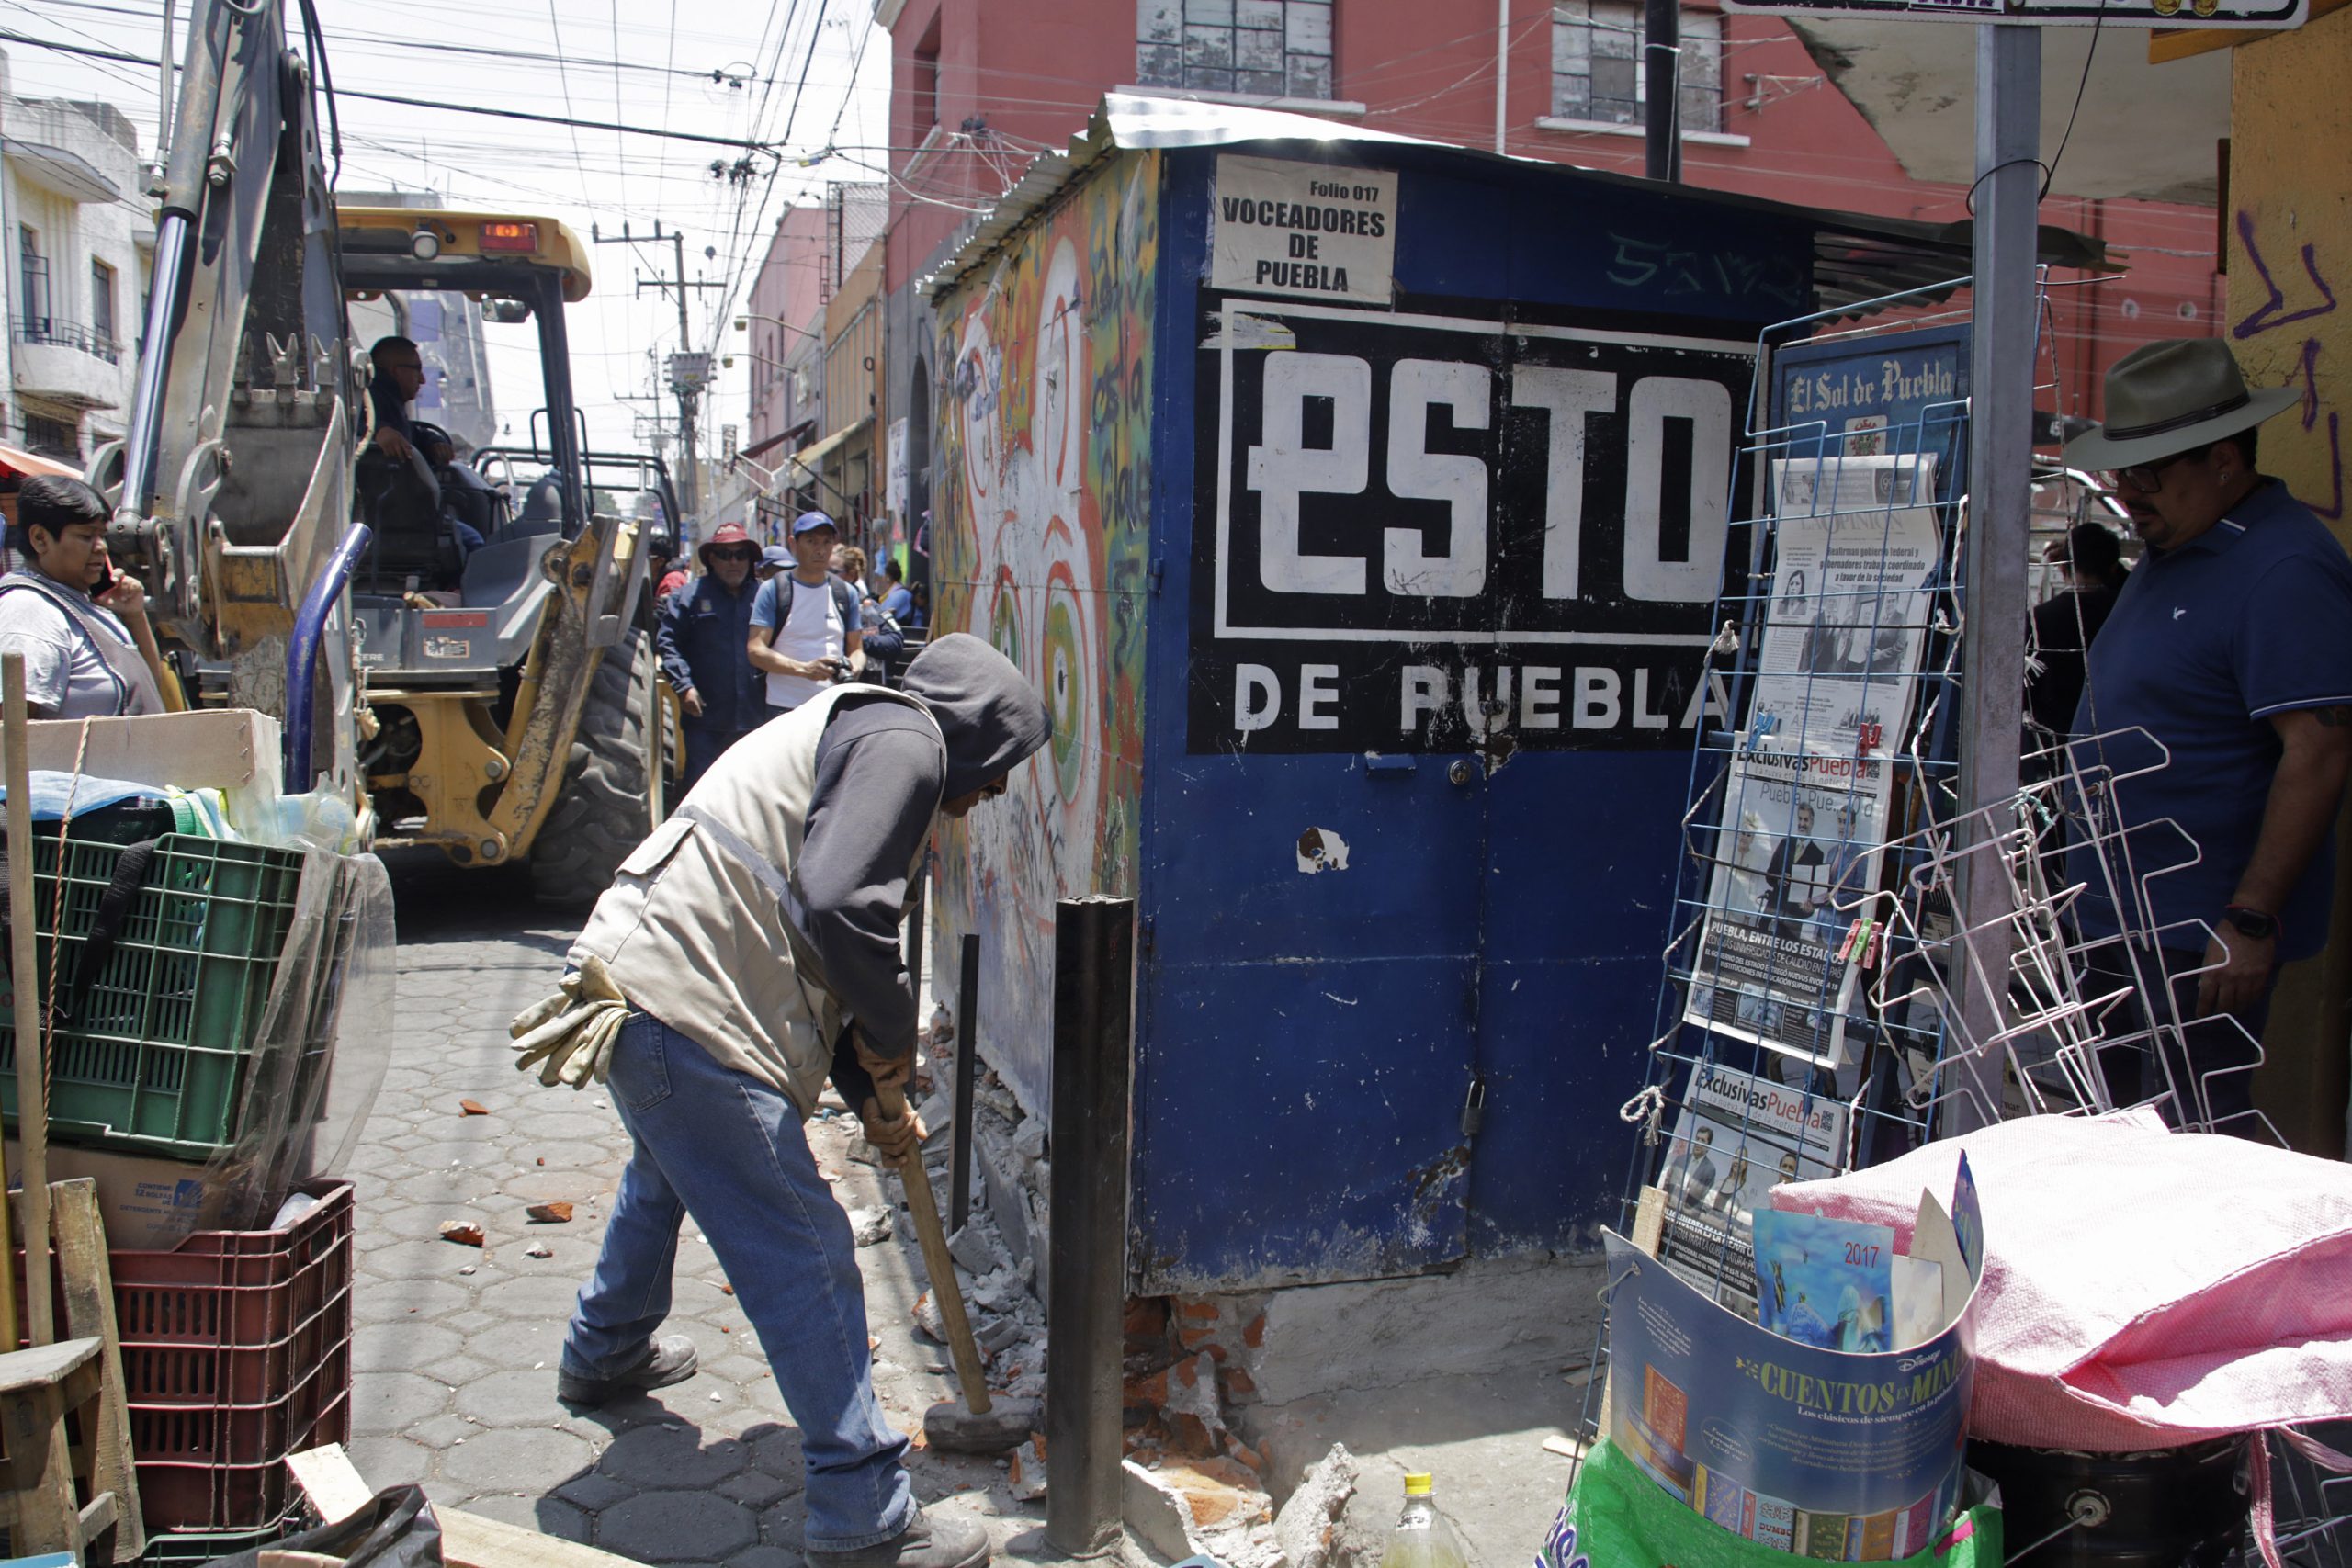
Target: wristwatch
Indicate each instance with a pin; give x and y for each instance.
(2253, 922)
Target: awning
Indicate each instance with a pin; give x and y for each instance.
(817, 451)
(16, 460)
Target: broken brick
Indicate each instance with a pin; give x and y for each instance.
(556, 1214)
(1255, 1335)
(1146, 1317)
(1238, 1384)
(463, 1232)
(1219, 1492)
(1190, 1436)
(1197, 1312)
(472, 1108)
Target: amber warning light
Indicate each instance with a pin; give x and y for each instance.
(510, 236)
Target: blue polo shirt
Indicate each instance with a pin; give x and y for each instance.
(2207, 642)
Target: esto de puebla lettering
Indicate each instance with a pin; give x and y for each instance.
(1529, 692)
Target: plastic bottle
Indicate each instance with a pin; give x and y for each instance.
(1422, 1539)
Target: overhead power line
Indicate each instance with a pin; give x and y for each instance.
(123, 56)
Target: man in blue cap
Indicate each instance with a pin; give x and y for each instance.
(806, 630)
(699, 636)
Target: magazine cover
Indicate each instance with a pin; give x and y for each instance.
(1793, 865)
(1839, 1457)
(1824, 1283)
(1736, 1137)
(1856, 551)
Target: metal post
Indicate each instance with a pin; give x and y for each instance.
(967, 1057)
(916, 918)
(1502, 76)
(1094, 944)
(1661, 73)
(2000, 490)
(692, 499)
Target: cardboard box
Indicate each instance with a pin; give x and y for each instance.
(236, 750)
(148, 1204)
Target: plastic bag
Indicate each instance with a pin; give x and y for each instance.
(1617, 1517)
(395, 1530)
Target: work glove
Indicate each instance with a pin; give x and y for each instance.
(569, 1036)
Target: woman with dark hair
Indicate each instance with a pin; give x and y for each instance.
(82, 626)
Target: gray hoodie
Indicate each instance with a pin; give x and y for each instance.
(880, 779)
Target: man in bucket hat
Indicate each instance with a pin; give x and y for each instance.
(701, 636)
(2218, 703)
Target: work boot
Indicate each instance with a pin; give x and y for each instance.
(667, 1360)
(933, 1541)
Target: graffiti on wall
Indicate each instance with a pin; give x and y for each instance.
(2284, 341)
(1039, 538)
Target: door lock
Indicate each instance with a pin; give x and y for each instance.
(1473, 1108)
(1458, 770)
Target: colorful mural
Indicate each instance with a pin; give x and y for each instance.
(1040, 532)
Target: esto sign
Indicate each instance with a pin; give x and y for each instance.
(1430, 534)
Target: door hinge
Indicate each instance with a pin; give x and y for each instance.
(1474, 1107)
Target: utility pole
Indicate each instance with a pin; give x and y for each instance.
(689, 370)
(2000, 490)
(1661, 88)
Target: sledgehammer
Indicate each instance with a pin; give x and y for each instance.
(978, 1425)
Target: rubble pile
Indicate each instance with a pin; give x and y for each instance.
(1193, 1485)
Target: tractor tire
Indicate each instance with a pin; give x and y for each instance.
(614, 790)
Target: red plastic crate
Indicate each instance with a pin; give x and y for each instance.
(236, 1352)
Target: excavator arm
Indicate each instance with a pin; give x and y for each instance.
(230, 489)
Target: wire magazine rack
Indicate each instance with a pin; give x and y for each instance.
(1823, 1007)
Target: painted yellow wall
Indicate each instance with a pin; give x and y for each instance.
(2289, 229)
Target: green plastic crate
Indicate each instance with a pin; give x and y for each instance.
(154, 1057)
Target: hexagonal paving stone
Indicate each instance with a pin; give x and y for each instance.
(756, 1488)
(387, 1458)
(409, 1302)
(421, 1260)
(514, 1346)
(545, 1514)
(781, 1524)
(387, 1402)
(596, 1490)
(525, 1397)
(514, 1460)
(555, 1155)
(677, 1526)
(655, 1455)
(777, 1450)
(403, 1347)
(533, 1297)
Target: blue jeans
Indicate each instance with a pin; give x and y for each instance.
(730, 1150)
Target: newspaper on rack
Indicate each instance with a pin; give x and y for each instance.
(1795, 861)
(1855, 556)
(1738, 1136)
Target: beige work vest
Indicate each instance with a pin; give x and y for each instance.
(694, 929)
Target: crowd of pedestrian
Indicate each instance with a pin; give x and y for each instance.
(759, 632)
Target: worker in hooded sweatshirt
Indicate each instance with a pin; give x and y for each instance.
(748, 948)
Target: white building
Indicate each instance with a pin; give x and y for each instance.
(79, 234)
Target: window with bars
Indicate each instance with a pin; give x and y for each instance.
(51, 437)
(1596, 64)
(1275, 49)
(102, 301)
(33, 280)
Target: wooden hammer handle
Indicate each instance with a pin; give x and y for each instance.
(937, 1261)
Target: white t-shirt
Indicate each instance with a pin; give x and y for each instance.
(813, 631)
(63, 670)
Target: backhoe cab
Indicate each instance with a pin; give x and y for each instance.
(516, 704)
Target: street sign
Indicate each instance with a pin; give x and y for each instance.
(2267, 14)
(689, 372)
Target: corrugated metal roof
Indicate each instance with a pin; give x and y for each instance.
(1858, 257)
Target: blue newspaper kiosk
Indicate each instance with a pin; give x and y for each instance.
(1360, 504)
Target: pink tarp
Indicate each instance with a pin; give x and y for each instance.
(2142, 1288)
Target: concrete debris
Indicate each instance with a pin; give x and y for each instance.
(996, 1333)
(1026, 1474)
(869, 1226)
(1029, 1138)
(538, 1249)
(928, 1319)
(942, 1024)
(977, 1247)
(1308, 1527)
(1212, 1507)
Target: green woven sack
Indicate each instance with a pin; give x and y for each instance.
(1618, 1517)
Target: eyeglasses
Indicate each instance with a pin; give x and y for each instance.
(2150, 477)
(734, 555)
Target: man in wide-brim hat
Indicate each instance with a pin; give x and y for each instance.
(2219, 700)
